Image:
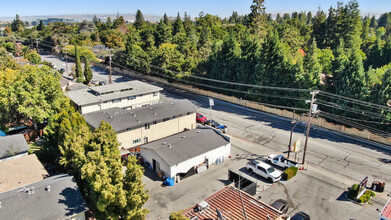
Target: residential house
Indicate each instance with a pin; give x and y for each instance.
(57, 197)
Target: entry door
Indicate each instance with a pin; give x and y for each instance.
(145, 140)
(154, 164)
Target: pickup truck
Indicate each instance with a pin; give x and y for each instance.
(264, 170)
(281, 161)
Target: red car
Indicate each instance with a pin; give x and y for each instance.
(200, 118)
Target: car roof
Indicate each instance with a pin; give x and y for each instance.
(279, 203)
(262, 164)
(300, 216)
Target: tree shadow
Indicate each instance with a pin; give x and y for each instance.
(73, 201)
(343, 197)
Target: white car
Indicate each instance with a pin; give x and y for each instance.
(264, 170)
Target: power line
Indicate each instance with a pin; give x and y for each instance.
(354, 119)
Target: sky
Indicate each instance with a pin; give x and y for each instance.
(223, 8)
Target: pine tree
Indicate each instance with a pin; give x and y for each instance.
(312, 69)
(136, 195)
(87, 71)
(178, 26)
(258, 17)
(163, 33)
(166, 20)
(139, 22)
(78, 69)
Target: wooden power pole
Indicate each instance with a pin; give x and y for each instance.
(313, 93)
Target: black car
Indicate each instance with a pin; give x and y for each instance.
(281, 205)
(301, 216)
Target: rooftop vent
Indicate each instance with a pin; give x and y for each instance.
(183, 136)
(47, 188)
(169, 146)
(198, 131)
(164, 143)
(110, 116)
(202, 206)
(138, 121)
(154, 113)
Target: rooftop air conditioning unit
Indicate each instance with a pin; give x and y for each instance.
(202, 206)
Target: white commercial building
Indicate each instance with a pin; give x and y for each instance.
(126, 95)
(187, 153)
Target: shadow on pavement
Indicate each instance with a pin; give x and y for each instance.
(343, 197)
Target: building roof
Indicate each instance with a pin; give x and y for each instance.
(229, 203)
(185, 145)
(70, 85)
(386, 212)
(13, 145)
(114, 91)
(121, 119)
(56, 197)
(20, 171)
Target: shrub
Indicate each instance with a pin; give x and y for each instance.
(289, 173)
(366, 196)
(353, 191)
(178, 216)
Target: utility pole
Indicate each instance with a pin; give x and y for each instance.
(313, 93)
(110, 66)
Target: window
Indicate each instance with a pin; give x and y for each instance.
(188, 113)
(131, 97)
(166, 119)
(147, 126)
(155, 122)
(116, 100)
(138, 140)
(155, 93)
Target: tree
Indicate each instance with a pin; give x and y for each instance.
(119, 21)
(178, 26)
(17, 25)
(8, 30)
(87, 72)
(139, 22)
(373, 23)
(258, 18)
(312, 69)
(33, 57)
(40, 26)
(102, 173)
(136, 195)
(166, 19)
(95, 20)
(178, 216)
(78, 70)
(163, 33)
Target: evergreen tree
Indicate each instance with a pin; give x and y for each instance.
(319, 28)
(178, 26)
(258, 18)
(163, 33)
(373, 23)
(40, 25)
(187, 24)
(385, 20)
(136, 195)
(78, 70)
(95, 20)
(139, 22)
(17, 24)
(166, 20)
(87, 72)
(312, 69)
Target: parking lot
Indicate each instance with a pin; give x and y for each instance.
(313, 191)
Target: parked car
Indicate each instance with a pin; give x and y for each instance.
(281, 205)
(216, 125)
(281, 161)
(264, 170)
(63, 70)
(301, 216)
(200, 118)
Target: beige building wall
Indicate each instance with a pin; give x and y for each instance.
(156, 131)
(134, 102)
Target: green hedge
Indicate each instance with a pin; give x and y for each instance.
(366, 196)
(289, 173)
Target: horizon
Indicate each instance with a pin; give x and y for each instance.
(220, 8)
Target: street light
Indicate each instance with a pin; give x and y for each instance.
(290, 138)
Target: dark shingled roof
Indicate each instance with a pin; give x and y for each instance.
(229, 204)
(62, 201)
(189, 144)
(121, 119)
(13, 145)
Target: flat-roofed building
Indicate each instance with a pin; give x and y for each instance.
(188, 152)
(21, 171)
(126, 95)
(13, 146)
(142, 125)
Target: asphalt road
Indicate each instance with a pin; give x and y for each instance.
(342, 159)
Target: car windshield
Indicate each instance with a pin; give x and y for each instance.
(270, 170)
(200, 116)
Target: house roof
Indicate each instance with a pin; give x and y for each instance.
(70, 85)
(229, 203)
(96, 94)
(386, 212)
(13, 145)
(36, 201)
(189, 144)
(20, 171)
(121, 119)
